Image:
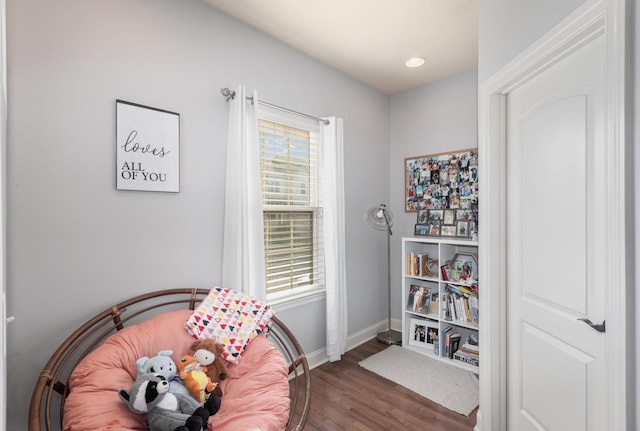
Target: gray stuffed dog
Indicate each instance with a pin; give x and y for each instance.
(167, 411)
(164, 365)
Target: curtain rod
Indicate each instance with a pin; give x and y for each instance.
(229, 94)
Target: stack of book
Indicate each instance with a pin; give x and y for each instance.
(419, 265)
(451, 348)
(462, 304)
(468, 353)
(450, 342)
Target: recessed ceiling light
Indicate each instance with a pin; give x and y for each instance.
(415, 62)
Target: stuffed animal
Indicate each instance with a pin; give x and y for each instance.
(216, 369)
(149, 394)
(163, 364)
(195, 378)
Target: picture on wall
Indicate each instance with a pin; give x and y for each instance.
(147, 148)
(442, 181)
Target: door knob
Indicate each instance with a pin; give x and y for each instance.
(599, 328)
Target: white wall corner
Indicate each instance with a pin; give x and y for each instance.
(320, 357)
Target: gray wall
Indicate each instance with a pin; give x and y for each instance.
(75, 245)
(436, 118)
(507, 27)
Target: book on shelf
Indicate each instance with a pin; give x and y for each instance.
(452, 307)
(462, 305)
(468, 353)
(470, 348)
(411, 257)
(444, 340)
(467, 315)
(474, 309)
(413, 266)
(459, 290)
(444, 271)
(462, 357)
(454, 344)
(419, 264)
(451, 341)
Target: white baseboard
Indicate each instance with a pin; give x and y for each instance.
(320, 357)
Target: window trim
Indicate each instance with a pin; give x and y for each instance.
(303, 295)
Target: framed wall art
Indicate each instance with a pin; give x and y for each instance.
(147, 148)
(441, 181)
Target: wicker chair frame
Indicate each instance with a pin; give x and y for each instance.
(49, 395)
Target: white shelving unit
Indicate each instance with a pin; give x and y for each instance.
(433, 311)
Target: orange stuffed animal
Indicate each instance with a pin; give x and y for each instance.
(209, 354)
(195, 378)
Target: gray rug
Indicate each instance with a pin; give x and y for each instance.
(447, 385)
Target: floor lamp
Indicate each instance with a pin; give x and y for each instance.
(381, 218)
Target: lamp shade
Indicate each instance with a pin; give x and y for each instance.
(379, 217)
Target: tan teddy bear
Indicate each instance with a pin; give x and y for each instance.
(209, 354)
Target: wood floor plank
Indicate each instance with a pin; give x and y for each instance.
(346, 396)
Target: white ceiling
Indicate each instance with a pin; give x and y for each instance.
(370, 40)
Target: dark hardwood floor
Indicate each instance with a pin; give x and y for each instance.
(345, 396)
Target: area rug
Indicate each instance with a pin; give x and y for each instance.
(447, 385)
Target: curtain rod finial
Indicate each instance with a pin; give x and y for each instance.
(228, 93)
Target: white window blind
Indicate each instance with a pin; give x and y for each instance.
(291, 208)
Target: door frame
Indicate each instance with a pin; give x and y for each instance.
(605, 18)
(3, 205)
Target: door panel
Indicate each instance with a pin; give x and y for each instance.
(555, 232)
(547, 360)
(554, 147)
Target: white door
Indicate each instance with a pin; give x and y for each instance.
(555, 241)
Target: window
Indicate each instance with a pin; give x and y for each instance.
(291, 206)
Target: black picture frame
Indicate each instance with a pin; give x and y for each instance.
(462, 229)
(421, 230)
(448, 230)
(422, 216)
(434, 227)
(449, 217)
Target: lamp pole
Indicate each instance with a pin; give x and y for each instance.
(389, 336)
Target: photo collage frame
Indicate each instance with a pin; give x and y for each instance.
(452, 223)
(440, 181)
(443, 190)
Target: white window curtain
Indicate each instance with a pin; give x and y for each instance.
(332, 171)
(243, 243)
(243, 264)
